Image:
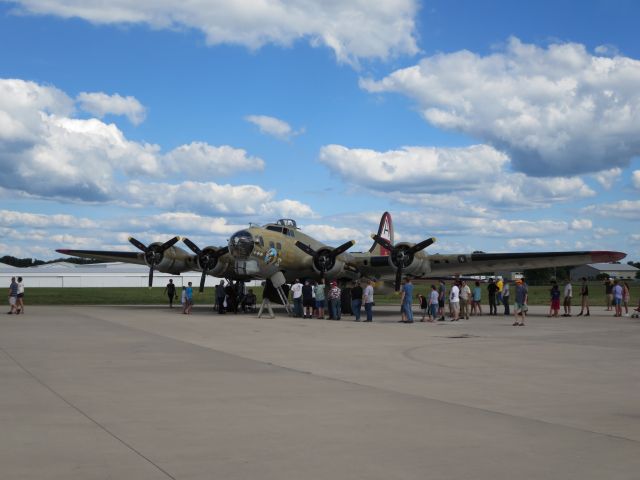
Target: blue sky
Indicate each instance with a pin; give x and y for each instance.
(494, 126)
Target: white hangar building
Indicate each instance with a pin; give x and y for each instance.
(116, 274)
(614, 270)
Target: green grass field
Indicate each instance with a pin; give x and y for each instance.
(538, 295)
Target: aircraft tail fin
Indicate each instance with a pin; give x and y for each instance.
(385, 230)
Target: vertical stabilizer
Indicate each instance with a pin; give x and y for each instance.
(385, 230)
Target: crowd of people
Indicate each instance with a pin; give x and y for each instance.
(313, 299)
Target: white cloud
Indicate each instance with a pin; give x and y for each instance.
(11, 218)
(204, 159)
(45, 152)
(555, 111)
(333, 235)
(426, 169)
(607, 178)
(627, 209)
(273, 126)
(211, 198)
(526, 242)
(607, 50)
(476, 172)
(101, 104)
(351, 28)
(636, 179)
(584, 224)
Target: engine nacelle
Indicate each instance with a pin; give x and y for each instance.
(175, 261)
(340, 270)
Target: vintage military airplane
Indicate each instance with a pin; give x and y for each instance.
(280, 252)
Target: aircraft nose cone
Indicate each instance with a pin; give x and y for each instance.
(241, 244)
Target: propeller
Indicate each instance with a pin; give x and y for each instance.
(325, 258)
(207, 258)
(153, 253)
(402, 255)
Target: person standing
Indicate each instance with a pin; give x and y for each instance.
(334, 301)
(554, 309)
(220, 296)
(296, 293)
(465, 300)
(522, 296)
(13, 296)
(320, 301)
(407, 301)
(608, 291)
(189, 296)
(617, 292)
(454, 302)
(499, 285)
(566, 303)
(433, 303)
(492, 289)
(367, 298)
(626, 297)
(307, 299)
(584, 293)
(505, 298)
(442, 294)
(476, 305)
(20, 297)
(170, 291)
(356, 300)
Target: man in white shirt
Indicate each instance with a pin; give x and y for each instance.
(296, 293)
(568, 293)
(454, 302)
(465, 299)
(368, 300)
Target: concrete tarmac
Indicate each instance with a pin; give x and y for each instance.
(148, 393)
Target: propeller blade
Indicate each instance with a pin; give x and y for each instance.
(221, 251)
(305, 248)
(383, 242)
(169, 243)
(398, 277)
(343, 248)
(422, 245)
(192, 246)
(202, 280)
(150, 275)
(138, 244)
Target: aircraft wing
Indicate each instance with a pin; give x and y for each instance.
(491, 262)
(127, 257)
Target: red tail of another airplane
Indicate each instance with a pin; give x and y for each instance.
(385, 230)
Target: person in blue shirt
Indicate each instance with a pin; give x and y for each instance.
(189, 303)
(407, 301)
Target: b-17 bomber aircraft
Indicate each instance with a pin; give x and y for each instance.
(280, 252)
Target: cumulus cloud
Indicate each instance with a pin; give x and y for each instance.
(584, 224)
(334, 235)
(416, 168)
(273, 126)
(635, 179)
(202, 158)
(211, 198)
(429, 173)
(46, 152)
(627, 209)
(555, 111)
(351, 28)
(101, 104)
(607, 178)
(12, 218)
